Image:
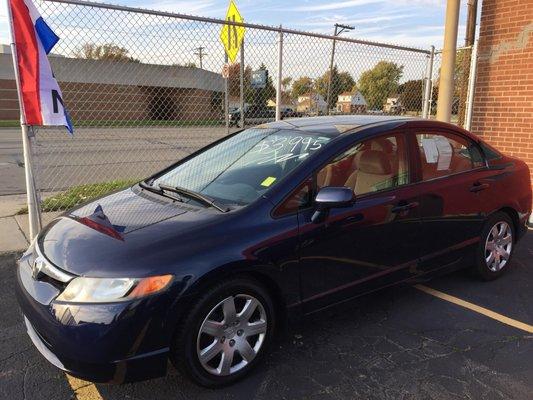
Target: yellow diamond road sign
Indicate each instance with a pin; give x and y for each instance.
(232, 35)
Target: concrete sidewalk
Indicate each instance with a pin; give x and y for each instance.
(14, 229)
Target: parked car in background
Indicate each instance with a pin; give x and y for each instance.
(253, 115)
(202, 262)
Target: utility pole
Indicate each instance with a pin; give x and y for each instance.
(446, 83)
(199, 51)
(470, 37)
(337, 32)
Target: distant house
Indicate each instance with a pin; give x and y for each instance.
(287, 103)
(351, 103)
(311, 103)
(393, 105)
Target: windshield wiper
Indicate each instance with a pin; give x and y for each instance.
(194, 195)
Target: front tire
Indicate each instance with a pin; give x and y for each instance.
(226, 333)
(495, 247)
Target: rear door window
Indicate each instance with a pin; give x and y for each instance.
(443, 154)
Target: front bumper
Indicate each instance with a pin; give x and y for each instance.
(140, 367)
(107, 343)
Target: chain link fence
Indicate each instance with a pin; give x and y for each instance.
(461, 84)
(146, 88)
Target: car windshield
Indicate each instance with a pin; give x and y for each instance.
(245, 166)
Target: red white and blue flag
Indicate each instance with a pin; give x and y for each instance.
(34, 39)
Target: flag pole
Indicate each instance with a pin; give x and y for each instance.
(34, 215)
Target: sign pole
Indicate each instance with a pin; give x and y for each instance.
(226, 94)
(280, 75)
(242, 84)
(34, 215)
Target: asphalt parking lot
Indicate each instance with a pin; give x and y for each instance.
(401, 343)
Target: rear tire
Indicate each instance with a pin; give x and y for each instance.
(496, 247)
(226, 333)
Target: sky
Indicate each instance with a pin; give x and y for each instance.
(170, 41)
(418, 23)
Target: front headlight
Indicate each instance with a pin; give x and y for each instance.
(107, 290)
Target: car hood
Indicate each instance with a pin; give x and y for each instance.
(130, 233)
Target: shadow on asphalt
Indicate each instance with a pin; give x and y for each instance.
(398, 343)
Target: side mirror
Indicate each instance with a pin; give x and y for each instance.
(331, 197)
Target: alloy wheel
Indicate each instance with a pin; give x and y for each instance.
(231, 335)
(498, 246)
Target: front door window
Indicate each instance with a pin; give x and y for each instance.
(370, 166)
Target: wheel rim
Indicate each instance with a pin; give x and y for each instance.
(231, 335)
(498, 246)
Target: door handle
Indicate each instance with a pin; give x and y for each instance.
(478, 187)
(404, 207)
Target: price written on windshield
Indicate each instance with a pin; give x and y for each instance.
(282, 148)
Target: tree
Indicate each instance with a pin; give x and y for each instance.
(341, 82)
(108, 51)
(234, 79)
(380, 82)
(302, 86)
(410, 94)
(286, 83)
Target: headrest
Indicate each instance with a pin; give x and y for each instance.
(374, 162)
(383, 145)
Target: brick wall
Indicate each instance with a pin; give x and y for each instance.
(503, 105)
(105, 102)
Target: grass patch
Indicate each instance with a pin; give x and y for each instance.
(128, 123)
(146, 123)
(10, 123)
(80, 194)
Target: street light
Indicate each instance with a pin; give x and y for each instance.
(343, 28)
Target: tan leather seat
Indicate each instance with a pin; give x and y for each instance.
(374, 173)
(324, 176)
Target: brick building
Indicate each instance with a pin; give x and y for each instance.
(503, 105)
(99, 90)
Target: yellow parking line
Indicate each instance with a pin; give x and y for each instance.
(481, 310)
(82, 389)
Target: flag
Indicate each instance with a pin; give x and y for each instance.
(99, 222)
(40, 94)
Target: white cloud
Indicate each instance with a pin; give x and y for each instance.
(336, 5)
(356, 3)
(327, 21)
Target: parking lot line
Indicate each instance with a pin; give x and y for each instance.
(82, 389)
(473, 307)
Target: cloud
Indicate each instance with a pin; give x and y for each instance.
(356, 3)
(336, 5)
(327, 21)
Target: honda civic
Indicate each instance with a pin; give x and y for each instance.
(201, 263)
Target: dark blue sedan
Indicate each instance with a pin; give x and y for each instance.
(202, 262)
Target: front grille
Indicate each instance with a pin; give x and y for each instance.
(44, 270)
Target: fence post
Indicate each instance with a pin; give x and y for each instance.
(241, 89)
(330, 75)
(280, 75)
(34, 214)
(426, 107)
(471, 87)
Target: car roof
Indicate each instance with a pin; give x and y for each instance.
(334, 125)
